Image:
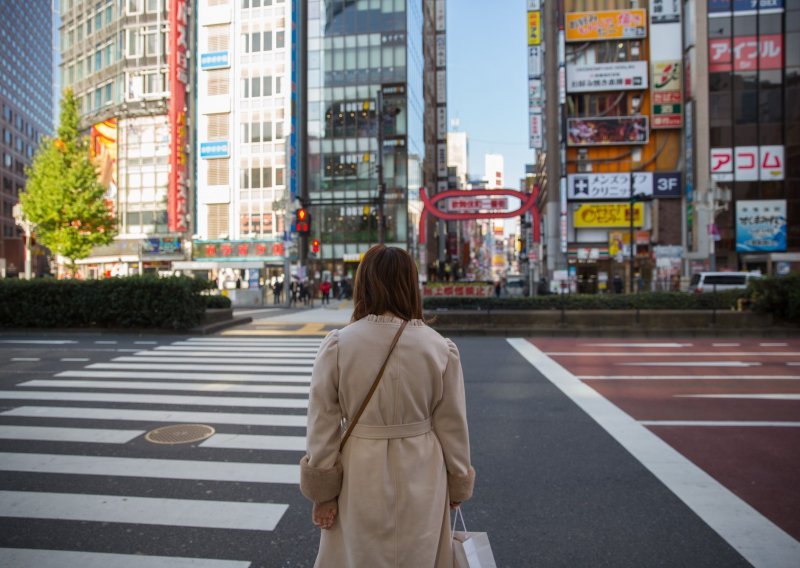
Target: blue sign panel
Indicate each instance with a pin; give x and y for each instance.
(211, 150)
(761, 225)
(161, 245)
(214, 60)
(667, 185)
(742, 7)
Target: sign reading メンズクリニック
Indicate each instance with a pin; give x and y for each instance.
(605, 25)
(591, 186)
(606, 77)
(761, 225)
(747, 163)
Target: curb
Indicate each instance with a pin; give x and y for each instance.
(219, 325)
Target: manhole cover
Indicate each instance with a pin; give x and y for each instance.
(179, 434)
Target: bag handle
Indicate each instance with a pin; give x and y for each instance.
(377, 380)
(459, 515)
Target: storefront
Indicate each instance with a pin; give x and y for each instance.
(129, 257)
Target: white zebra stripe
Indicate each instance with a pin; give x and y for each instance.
(228, 377)
(143, 510)
(26, 557)
(60, 434)
(151, 468)
(210, 349)
(179, 367)
(149, 385)
(235, 361)
(250, 402)
(255, 442)
(310, 355)
(168, 416)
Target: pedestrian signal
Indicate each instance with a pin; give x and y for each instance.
(315, 246)
(302, 221)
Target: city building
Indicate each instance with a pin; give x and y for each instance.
(494, 171)
(376, 126)
(244, 122)
(458, 157)
(742, 135)
(26, 97)
(128, 64)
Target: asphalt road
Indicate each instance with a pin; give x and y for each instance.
(553, 488)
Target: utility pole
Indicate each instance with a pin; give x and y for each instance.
(381, 183)
(27, 226)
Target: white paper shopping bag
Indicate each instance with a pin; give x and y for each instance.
(471, 549)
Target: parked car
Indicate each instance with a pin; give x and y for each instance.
(720, 281)
(516, 286)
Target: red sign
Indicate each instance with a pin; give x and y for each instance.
(178, 188)
(745, 53)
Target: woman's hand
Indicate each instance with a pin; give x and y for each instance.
(455, 505)
(324, 514)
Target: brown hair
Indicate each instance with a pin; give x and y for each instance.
(386, 281)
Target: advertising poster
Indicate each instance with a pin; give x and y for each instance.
(607, 77)
(598, 215)
(178, 187)
(601, 131)
(761, 225)
(746, 53)
(103, 151)
(534, 28)
(604, 25)
(667, 103)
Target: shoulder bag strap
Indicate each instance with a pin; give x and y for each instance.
(354, 421)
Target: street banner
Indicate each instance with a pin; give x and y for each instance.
(666, 100)
(535, 61)
(602, 131)
(605, 25)
(534, 28)
(598, 215)
(761, 225)
(745, 53)
(725, 8)
(607, 77)
(476, 204)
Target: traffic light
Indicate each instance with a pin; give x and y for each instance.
(315, 246)
(302, 221)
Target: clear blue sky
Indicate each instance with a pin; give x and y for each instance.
(487, 81)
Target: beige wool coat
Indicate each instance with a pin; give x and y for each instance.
(408, 456)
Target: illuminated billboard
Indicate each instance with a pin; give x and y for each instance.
(608, 24)
(603, 131)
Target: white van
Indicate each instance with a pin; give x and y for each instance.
(720, 281)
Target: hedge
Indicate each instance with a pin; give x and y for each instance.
(779, 296)
(131, 302)
(644, 301)
(217, 302)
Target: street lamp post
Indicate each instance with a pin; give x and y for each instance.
(381, 185)
(27, 226)
(630, 236)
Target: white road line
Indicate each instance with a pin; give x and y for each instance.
(41, 558)
(178, 367)
(151, 468)
(214, 356)
(127, 350)
(141, 510)
(254, 340)
(753, 396)
(145, 342)
(148, 385)
(39, 341)
(74, 359)
(691, 364)
(168, 416)
(191, 360)
(689, 377)
(662, 354)
(105, 342)
(754, 536)
(675, 345)
(210, 350)
(255, 442)
(59, 434)
(715, 423)
(231, 377)
(137, 398)
(725, 344)
(25, 359)
(774, 344)
(794, 363)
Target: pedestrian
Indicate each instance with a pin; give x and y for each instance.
(311, 292)
(617, 283)
(497, 289)
(384, 500)
(294, 289)
(303, 292)
(325, 288)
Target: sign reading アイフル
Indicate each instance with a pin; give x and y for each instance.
(178, 186)
(605, 25)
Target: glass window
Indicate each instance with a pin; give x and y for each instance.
(108, 94)
(245, 4)
(255, 3)
(792, 49)
(98, 20)
(109, 14)
(245, 88)
(266, 177)
(279, 40)
(88, 27)
(135, 6)
(153, 5)
(246, 41)
(745, 26)
(255, 178)
(255, 134)
(151, 41)
(133, 43)
(267, 41)
(98, 60)
(255, 42)
(255, 86)
(268, 86)
(278, 85)
(720, 27)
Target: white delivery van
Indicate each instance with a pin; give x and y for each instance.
(720, 281)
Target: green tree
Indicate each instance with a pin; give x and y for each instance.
(63, 196)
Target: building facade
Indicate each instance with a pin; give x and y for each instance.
(368, 111)
(743, 135)
(127, 63)
(244, 120)
(26, 97)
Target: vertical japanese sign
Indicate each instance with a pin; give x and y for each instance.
(440, 24)
(293, 104)
(534, 28)
(178, 187)
(666, 95)
(535, 85)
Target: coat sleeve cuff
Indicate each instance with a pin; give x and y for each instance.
(320, 484)
(460, 486)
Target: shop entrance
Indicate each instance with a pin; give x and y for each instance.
(587, 278)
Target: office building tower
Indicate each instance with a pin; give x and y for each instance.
(128, 64)
(26, 97)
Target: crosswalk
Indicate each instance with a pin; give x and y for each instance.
(63, 433)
